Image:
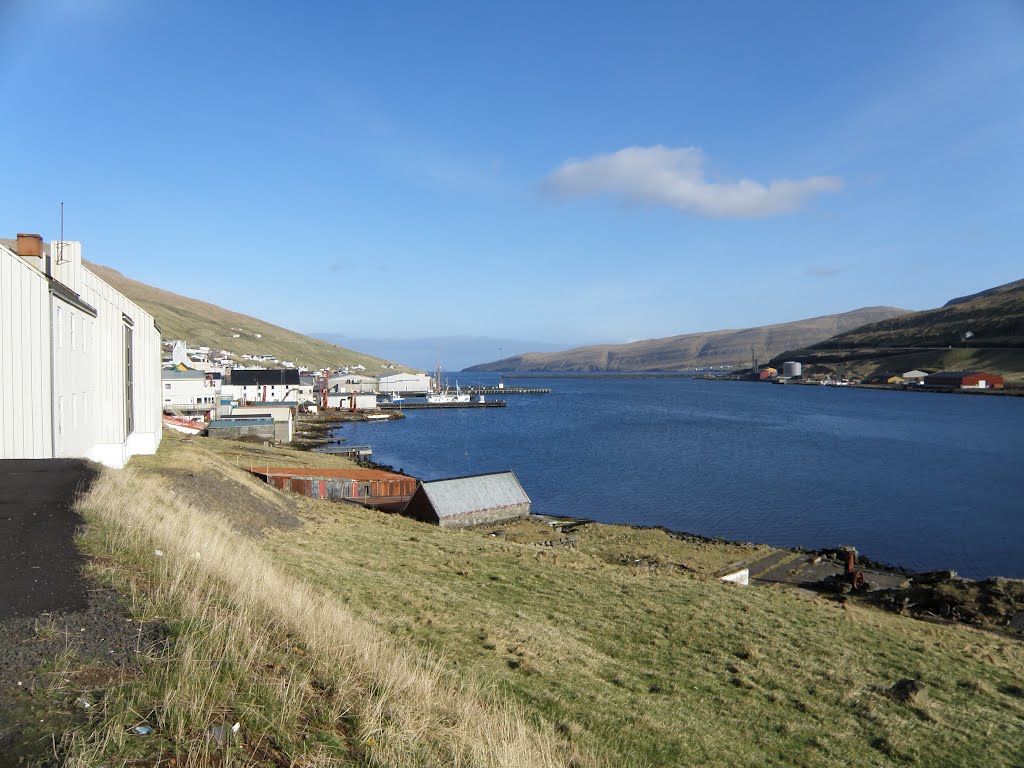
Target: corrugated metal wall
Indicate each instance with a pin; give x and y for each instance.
(24, 361)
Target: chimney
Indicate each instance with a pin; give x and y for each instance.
(30, 248)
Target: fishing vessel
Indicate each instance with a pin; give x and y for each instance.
(442, 394)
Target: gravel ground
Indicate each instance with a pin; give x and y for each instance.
(62, 638)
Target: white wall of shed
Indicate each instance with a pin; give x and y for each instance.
(25, 393)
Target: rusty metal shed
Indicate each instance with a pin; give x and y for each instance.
(474, 500)
(369, 487)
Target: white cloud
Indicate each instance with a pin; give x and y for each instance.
(662, 176)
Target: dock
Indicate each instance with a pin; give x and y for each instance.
(425, 406)
(362, 452)
(507, 390)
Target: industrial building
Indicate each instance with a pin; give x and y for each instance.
(79, 362)
(792, 370)
(405, 384)
(369, 487)
(964, 380)
(459, 502)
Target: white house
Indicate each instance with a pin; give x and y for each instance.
(267, 385)
(79, 362)
(190, 393)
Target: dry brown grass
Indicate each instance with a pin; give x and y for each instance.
(305, 678)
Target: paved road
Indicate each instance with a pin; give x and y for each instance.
(40, 567)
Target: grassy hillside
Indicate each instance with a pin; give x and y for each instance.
(202, 324)
(932, 340)
(339, 636)
(693, 350)
(995, 318)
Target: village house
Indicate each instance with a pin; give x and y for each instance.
(80, 361)
(264, 385)
(191, 393)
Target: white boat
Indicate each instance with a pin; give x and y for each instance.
(444, 395)
(447, 396)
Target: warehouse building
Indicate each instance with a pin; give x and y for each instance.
(79, 362)
(459, 502)
(964, 380)
(405, 384)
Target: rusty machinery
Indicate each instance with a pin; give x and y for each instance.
(851, 575)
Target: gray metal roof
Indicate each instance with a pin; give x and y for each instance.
(460, 495)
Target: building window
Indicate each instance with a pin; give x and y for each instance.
(71, 322)
(167, 386)
(60, 329)
(60, 417)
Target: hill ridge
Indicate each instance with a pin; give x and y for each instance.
(702, 349)
(202, 323)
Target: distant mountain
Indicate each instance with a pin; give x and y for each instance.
(455, 352)
(983, 331)
(694, 350)
(199, 323)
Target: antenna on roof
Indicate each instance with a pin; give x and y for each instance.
(60, 244)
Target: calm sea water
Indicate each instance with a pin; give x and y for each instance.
(922, 480)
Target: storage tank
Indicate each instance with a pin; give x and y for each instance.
(792, 370)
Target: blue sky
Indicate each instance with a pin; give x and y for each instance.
(565, 173)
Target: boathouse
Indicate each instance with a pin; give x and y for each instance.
(369, 487)
(459, 502)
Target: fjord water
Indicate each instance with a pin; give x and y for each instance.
(922, 480)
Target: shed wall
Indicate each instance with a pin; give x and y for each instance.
(25, 386)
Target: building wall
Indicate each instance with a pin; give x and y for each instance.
(486, 516)
(265, 431)
(25, 386)
(405, 383)
(115, 443)
(75, 411)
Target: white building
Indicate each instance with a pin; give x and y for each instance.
(406, 384)
(190, 393)
(79, 362)
(267, 385)
(353, 382)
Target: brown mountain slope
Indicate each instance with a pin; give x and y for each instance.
(694, 350)
(202, 324)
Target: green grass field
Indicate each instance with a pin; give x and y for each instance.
(351, 637)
